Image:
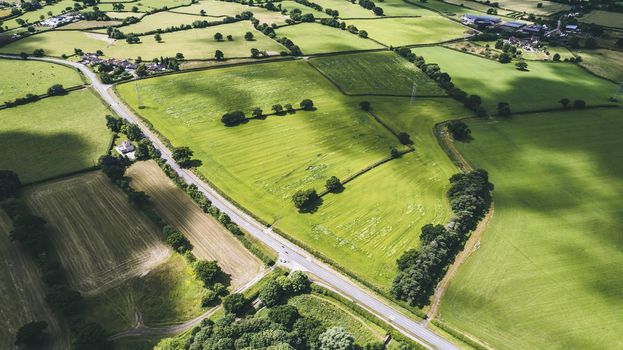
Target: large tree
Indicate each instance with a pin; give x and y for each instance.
(182, 156)
(336, 338)
(207, 271)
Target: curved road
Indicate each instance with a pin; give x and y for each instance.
(291, 254)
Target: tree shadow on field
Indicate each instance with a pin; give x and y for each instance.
(37, 156)
(312, 207)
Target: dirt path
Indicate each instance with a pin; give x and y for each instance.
(472, 244)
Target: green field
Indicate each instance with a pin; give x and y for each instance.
(23, 77)
(530, 6)
(324, 39)
(168, 294)
(376, 73)
(161, 20)
(605, 63)
(216, 8)
(411, 31)
(403, 8)
(546, 274)
(60, 135)
(540, 87)
(447, 9)
(291, 5)
(347, 9)
(603, 18)
(366, 227)
(146, 5)
(194, 44)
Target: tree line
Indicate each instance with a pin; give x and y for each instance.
(421, 270)
(238, 117)
(282, 326)
(54, 90)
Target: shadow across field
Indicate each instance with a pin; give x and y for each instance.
(36, 156)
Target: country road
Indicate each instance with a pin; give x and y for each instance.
(290, 254)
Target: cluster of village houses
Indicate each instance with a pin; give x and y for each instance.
(92, 59)
(62, 19)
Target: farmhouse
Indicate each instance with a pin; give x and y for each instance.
(126, 148)
(470, 19)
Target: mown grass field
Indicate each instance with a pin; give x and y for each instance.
(366, 227)
(477, 6)
(194, 44)
(332, 313)
(168, 294)
(447, 9)
(376, 73)
(53, 136)
(217, 8)
(22, 294)
(100, 238)
(210, 240)
(411, 31)
(546, 273)
(603, 18)
(605, 63)
(324, 39)
(403, 8)
(161, 20)
(539, 88)
(23, 77)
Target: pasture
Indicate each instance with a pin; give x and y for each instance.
(216, 8)
(210, 240)
(605, 63)
(23, 77)
(546, 273)
(100, 238)
(366, 227)
(376, 73)
(291, 5)
(403, 8)
(450, 10)
(160, 20)
(53, 136)
(168, 294)
(603, 18)
(22, 293)
(411, 31)
(146, 5)
(194, 44)
(324, 39)
(347, 9)
(539, 88)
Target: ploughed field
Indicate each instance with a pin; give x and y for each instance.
(210, 240)
(100, 238)
(546, 273)
(22, 293)
(261, 163)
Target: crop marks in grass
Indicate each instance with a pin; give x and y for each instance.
(382, 73)
(366, 227)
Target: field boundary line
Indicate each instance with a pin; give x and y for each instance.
(46, 95)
